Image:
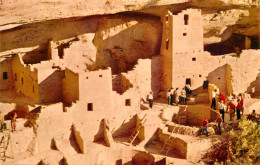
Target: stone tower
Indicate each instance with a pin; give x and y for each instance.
(182, 36)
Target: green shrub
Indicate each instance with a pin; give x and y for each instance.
(244, 144)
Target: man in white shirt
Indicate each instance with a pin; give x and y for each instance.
(213, 104)
(150, 98)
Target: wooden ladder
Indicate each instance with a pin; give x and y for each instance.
(167, 146)
(137, 130)
(4, 143)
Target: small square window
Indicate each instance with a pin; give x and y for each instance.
(90, 106)
(5, 76)
(200, 75)
(86, 77)
(184, 34)
(127, 102)
(194, 59)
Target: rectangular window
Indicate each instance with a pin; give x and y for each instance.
(188, 81)
(22, 80)
(15, 77)
(5, 76)
(184, 34)
(61, 53)
(100, 75)
(127, 102)
(90, 106)
(186, 18)
(205, 84)
(33, 88)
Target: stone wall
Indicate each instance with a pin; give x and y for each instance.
(95, 91)
(196, 114)
(179, 146)
(188, 35)
(25, 78)
(70, 87)
(50, 88)
(7, 80)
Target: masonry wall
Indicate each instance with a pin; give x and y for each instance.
(189, 66)
(6, 66)
(25, 78)
(196, 114)
(187, 31)
(245, 70)
(179, 146)
(95, 87)
(166, 50)
(50, 87)
(120, 101)
(187, 60)
(70, 87)
(52, 51)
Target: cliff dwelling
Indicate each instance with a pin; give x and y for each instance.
(123, 82)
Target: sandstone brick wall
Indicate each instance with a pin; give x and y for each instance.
(187, 31)
(26, 78)
(70, 87)
(196, 114)
(50, 88)
(179, 146)
(6, 66)
(96, 87)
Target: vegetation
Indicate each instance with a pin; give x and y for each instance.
(244, 144)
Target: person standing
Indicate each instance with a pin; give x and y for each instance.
(205, 126)
(232, 107)
(222, 109)
(172, 96)
(223, 98)
(213, 104)
(188, 90)
(169, 96)
(242, 103)
(150, 97)
(13, 121)
(176, 94)
(219, 121)
(239, 108)
(183, 96)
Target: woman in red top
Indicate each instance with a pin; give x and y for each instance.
(222, 97)
(205, 126)
(232, 108)
(239, 108)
